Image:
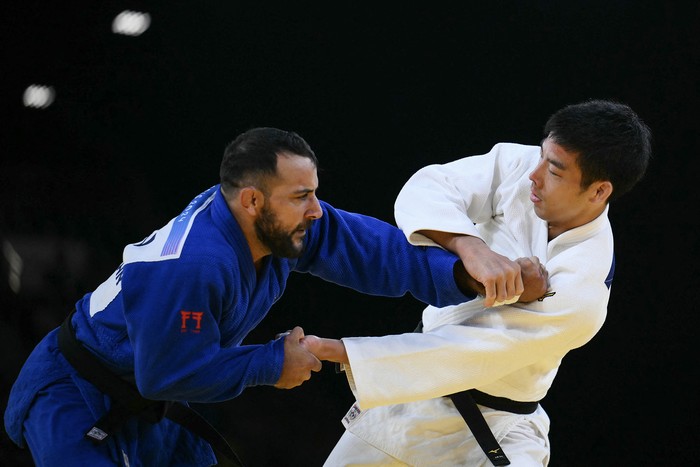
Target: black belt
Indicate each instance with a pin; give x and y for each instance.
(127, 402)
(465, 402)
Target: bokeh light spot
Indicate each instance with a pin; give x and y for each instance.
(38, 96)
(131, 23)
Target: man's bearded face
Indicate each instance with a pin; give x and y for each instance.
(284, 243)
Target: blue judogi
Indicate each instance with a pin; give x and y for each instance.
(172, 318)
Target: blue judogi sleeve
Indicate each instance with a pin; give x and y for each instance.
(179, 351)
(374, 257)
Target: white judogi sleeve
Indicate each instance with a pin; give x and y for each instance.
(453, 197)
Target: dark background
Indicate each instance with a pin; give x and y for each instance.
(139, 125)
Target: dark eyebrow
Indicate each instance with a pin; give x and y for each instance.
(303, 191)
(557, 164)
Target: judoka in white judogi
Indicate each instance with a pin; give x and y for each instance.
(511, 351)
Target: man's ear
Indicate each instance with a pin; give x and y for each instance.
(602, 192)
(252, 200)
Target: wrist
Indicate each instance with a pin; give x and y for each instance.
(336, 351)
(466, 283)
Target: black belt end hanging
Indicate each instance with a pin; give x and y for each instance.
(465, 404)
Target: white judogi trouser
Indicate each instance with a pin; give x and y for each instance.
(523, 438)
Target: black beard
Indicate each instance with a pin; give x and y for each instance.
(279, 242)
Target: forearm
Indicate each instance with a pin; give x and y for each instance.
(332, 350)
(463, 245)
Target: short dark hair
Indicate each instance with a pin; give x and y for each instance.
(611, 141)
(253, 155)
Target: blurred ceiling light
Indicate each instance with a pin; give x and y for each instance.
(38, 96)
(131, 23)
(14, 260)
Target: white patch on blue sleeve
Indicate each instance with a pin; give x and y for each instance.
(161, 245)
(106, 292)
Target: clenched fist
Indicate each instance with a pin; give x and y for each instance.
(298, 361)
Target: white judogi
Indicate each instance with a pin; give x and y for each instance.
(511, 351)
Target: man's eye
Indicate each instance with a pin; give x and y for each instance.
(553, 169)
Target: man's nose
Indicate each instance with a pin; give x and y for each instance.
(534, 175)
(314, 211)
